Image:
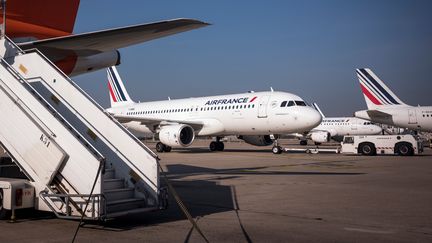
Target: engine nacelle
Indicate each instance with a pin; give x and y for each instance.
(320, 137)
(90, 63)
(180, 135)
(260, 140)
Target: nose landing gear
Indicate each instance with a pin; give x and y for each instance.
(276, 148)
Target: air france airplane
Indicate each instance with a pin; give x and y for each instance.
(337, 127)
(385, 107)
(255, 117)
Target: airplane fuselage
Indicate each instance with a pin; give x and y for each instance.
(256, 113)
(416, 118)
(341, 126)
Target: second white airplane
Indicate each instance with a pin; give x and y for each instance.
(386, 108)
(255, 117)
(337, 127)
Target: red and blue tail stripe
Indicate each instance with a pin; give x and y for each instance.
(375, 90)
(115, 89)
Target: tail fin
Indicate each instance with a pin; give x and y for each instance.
(376, 93)
(315, 105)
(40, 19)
(118, 94)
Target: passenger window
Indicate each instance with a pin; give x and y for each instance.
(283, 104)
(291, 103)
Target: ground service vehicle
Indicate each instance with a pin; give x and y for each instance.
(405, 145)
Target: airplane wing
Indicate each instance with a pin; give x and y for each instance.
(91, 43)
(153, 121)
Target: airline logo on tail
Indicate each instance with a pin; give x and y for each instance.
(375, 90)
(116, 88)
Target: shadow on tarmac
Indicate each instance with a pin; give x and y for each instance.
(201, 197)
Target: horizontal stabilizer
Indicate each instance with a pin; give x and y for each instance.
(377, 114)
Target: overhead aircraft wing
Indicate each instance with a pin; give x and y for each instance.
(377, 114)
(152, 121)
(91, 43)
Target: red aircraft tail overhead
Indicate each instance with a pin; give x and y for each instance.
(47, 25)
(40, 19)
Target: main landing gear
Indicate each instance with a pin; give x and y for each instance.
(276, 148)
(160, 147)
(217, 145)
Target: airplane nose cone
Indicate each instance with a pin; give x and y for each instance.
(376, 129)
(311, 118)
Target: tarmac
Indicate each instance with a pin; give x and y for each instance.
(248, 194)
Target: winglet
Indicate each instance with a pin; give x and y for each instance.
(315, 105)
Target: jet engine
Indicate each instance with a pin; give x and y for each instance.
(260, 140)
(180, 135)
(320, 137)
(90, 63)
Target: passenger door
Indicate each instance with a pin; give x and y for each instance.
(412, 116)
(262, 106)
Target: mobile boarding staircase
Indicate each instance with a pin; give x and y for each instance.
(68, 146)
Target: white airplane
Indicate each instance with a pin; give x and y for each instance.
(386, 108)
(337, 127)
(255, 117)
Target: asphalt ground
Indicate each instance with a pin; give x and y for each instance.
(248, 194)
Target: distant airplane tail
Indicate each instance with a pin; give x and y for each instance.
(376, 93)
(315, 105)
(29, 20)
(118, 93)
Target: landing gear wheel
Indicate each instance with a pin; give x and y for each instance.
(277, 150)
(167, 148)
(220, 146)
(317, 143)
(4, 213)
(303, 142)
(160, 147)
(213, 146)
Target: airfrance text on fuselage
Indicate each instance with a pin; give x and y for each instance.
(336, 120)
(227, 101)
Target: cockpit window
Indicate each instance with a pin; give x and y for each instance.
(283, 104)
(291, 103)
(300, 103)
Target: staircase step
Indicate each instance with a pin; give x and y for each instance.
(132, 211)
(119, 194)
(109, 174)
(110, 184)
(125, 205)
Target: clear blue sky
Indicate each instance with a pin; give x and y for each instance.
(310, 48)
